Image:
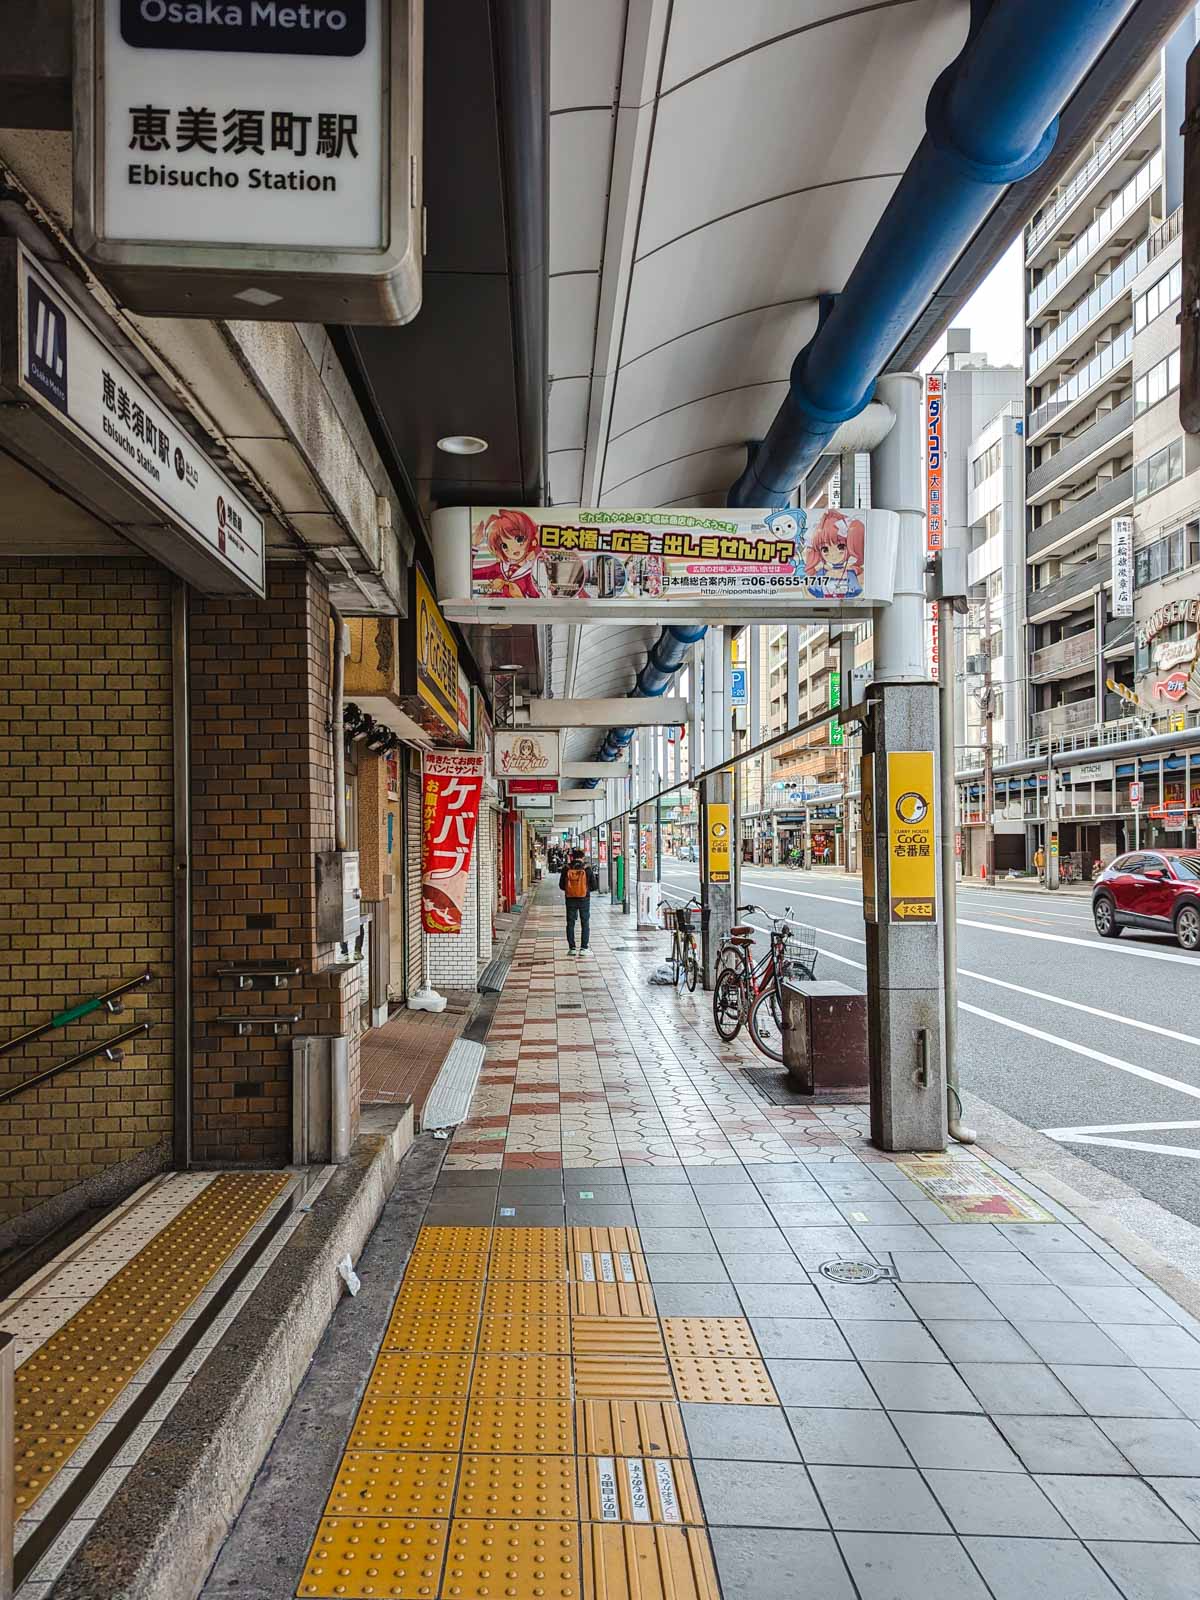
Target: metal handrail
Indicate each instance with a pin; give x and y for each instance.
(84, 1009)
(105, 1049)
(8, 1474)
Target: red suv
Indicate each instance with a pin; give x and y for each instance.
(1154, 889)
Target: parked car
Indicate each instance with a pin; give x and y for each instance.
(1154, 889)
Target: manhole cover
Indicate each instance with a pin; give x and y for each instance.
(853, 1271)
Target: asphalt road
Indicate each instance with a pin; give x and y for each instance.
(1093, 1039)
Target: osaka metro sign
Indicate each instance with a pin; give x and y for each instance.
(600, 564)
(250, 159)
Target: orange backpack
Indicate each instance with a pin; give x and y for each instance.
(577, 882)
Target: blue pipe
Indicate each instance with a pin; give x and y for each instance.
(991, 119)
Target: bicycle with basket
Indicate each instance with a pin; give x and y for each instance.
(751, 992)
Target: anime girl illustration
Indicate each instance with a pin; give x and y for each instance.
(512, 538)
(833, 557)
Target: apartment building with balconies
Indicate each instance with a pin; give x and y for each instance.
(1102, 436)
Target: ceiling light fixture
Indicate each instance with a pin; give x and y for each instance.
(510, 666)
(462, 444)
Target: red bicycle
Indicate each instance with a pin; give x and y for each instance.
(742, 983)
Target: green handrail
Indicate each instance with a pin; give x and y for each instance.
(74, 1013)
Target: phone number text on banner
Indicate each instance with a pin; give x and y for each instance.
(452, 786)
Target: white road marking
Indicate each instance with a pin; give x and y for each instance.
(1126, 1144)
(1084, 1050)
(1119, 1127)
(1077, 1005)
(1112, 947)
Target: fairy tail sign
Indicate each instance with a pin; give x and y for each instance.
(608, 565)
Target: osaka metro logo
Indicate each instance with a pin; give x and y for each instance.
(46, 345)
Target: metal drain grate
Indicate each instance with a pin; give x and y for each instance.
(778, 1088)
(853, 1271)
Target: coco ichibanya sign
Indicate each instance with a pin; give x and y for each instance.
(277, 138)
(68, 368)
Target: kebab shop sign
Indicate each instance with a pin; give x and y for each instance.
(451, 790)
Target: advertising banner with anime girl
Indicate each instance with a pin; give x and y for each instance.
(604, 564)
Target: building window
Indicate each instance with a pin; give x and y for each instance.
(1165, 466)
(983, 466)
(1155, 385)
(1177, 551)
(1157, 297)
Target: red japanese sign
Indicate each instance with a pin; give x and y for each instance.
(532, 785)
(453, 783)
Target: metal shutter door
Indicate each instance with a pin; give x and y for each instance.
(414, 966)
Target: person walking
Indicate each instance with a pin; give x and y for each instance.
(578, 881)
(1039, 862)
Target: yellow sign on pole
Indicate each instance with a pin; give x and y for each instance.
(866, 808)
(718, 842)
(912, 862)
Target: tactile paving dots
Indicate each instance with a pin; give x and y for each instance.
(393, 1483)
(517, 1377)
(419, 1331)
(432, 1375)
(368, 1558)
(743, 1383)
(709, 1337)
(408, 1423)
(519, 1427)
(525, 1300)
(549, 1334)
(517, 1486)
(510, 1558)
(432, 1297)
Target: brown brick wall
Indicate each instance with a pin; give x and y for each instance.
(85, 862)
(262, 806)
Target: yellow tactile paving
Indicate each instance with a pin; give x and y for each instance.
(528, 1254)
(419, 1331)
(410, 1422)
(525, 1300)
(549, 1334)
(517, 1377)
(622, 1377)
(640, 1562)
(518, 1487)
(630, 1428)
(612, 1300)
(434, 1376)
(607, 1255)
(509, 1557)
(638, 1489)
(394, 1483)
(709, 1336)
(626, 1336)
(565, 1475)
(364, 1558)
(434, 1298)
(735, 1382)
(519, 1427)
(448, 1253)
(68, 1384)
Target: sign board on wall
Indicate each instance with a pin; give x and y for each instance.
(252, 159)
(604, 565)
(451, 790)
(717, 842)
(194, 521)
(912, 862)
(868, 832)
(1122, 566)
(935, 494)
(526, 753)
(437, 674)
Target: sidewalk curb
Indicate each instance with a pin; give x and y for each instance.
(158, 1536)
(1162, 1246)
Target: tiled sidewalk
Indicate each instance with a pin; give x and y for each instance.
(1009, 1410)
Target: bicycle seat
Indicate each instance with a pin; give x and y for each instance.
(742, 930)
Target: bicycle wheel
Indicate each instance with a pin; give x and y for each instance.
(728, 1004)
(766, 1024)
(692, 968)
